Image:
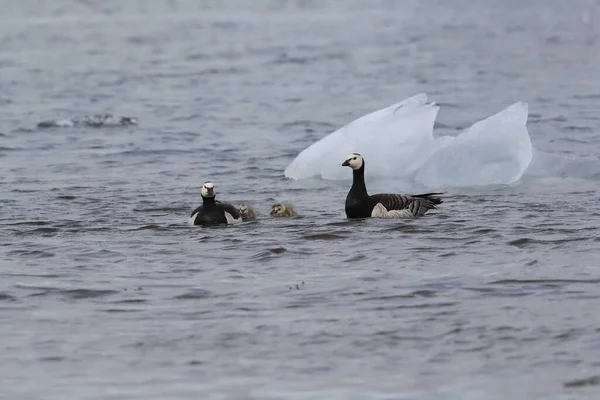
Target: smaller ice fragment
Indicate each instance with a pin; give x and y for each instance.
(496, 150)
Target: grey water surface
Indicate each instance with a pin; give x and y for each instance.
(107, 293)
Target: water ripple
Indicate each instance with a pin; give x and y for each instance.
(196, 293)
(104, 282)
(589, 381)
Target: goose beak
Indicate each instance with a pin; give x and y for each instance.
(345, 164)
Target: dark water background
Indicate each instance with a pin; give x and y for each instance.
(106, 293)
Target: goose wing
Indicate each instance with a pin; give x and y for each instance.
(417, 204)
(232, 214)
(196, 211)
(194, 214)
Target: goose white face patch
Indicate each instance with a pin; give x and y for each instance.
(208, 190)
(354, 161)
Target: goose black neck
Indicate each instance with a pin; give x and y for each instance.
(208, 200)
(358, 181)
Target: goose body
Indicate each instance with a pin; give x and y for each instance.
(359, 204)
(212, 212)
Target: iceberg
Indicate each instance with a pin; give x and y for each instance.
(397, 141)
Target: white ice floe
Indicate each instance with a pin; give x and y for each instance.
(398, 142)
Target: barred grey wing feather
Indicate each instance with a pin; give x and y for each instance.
(392, 201)
(418, 206)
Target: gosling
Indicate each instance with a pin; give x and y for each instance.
(247, 212)
(283, 210)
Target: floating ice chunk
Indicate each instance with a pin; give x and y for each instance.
(496, 150)
(398, 141)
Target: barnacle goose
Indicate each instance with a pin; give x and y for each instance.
(359, 204)
(212, 212)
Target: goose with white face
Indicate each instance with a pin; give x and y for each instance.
(208, 190)
(213, 212)
(354, 161)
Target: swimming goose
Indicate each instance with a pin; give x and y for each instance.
(384, 205)
(212, 212)
(283, 210)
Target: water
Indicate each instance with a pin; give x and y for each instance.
(106, 293)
